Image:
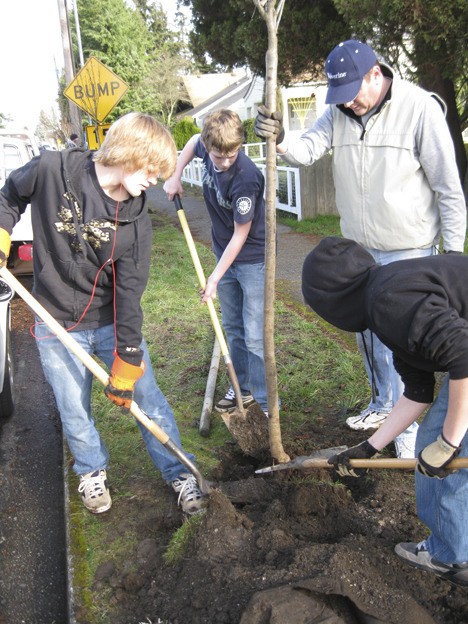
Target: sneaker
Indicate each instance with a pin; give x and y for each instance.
(404, 445)
(229, 403)
(368, 419)
(418, 556)
(190, 498)
(94, 491)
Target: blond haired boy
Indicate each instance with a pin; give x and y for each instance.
(92, 249)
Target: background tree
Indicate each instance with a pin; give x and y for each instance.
(4, 119)
(432, 33)
(234, 34)
(137, 45)
(49, 128)
(433, 36)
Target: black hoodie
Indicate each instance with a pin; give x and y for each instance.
(74, 229)
(417, 307)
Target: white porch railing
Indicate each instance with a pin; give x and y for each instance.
(288, 188)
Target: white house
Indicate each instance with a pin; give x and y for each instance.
(303, 101)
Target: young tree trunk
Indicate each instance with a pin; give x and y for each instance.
(272, 16)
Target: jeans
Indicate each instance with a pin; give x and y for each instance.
(71, 383)
(442, 504)
(241, 296)
(386, 382)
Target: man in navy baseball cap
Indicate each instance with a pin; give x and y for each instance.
(346, 66)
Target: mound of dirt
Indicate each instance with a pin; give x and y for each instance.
(282, 549)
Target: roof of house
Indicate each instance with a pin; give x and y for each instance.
(222, 99)
(200, 87)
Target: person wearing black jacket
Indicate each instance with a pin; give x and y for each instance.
(419, 310)
(92, 249)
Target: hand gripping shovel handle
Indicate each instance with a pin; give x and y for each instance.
(99, 372)
(214, 317)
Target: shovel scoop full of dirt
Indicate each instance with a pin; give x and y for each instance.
(250, 430)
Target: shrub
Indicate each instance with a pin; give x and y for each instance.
(183, 130)
(250, 136)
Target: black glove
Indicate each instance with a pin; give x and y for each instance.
(434, 457)
(341, 461)
(269, 124)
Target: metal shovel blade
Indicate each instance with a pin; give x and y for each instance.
(301, 462)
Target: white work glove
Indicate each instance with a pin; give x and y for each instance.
(433, 459)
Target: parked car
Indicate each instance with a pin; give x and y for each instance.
(16, 149)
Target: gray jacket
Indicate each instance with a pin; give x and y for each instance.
(396, 180)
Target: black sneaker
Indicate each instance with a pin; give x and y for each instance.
(228, 404)
(418, 556)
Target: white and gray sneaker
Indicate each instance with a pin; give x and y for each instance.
(404, 445)
(229, 403)
(190, 497)
(418, 556)
(368, 419)
(94, 491)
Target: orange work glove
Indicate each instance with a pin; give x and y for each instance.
(5, 244)
(122, 381)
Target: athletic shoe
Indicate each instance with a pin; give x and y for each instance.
(190, 498)
(418, 556)
(404, 445)
(368, 419)
(94, 491)
(229, 403)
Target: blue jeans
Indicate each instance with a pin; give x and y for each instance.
(71, 383)
(442, 504)
(387, 382)
(241, 296)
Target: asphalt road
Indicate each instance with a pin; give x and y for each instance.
(33, 562)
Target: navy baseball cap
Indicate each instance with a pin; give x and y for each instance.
(346, 66)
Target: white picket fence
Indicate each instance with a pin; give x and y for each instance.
(288, 188)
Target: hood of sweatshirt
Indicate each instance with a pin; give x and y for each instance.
(334, 281)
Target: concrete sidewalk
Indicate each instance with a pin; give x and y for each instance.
(292, 246)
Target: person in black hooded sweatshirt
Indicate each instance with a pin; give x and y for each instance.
(92, 255)
(419, 309)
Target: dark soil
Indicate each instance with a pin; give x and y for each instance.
(291, 547)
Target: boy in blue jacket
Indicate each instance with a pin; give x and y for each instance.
(233, 189)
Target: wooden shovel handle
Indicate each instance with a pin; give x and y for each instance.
(78, 350)
(211, 308)
(392, 463)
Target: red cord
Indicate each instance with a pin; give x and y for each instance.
(111, 260)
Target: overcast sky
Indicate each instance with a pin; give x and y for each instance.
(30, 56)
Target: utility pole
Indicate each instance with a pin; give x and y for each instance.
(75, 114)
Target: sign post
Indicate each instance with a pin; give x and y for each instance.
(96, 89)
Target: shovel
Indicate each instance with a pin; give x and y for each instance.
(251, 435)
(319, 459)
(100, 374)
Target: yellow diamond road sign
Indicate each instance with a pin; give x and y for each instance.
(96, 89)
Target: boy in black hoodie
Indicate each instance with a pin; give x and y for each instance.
(92, 249)
(419, 309)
